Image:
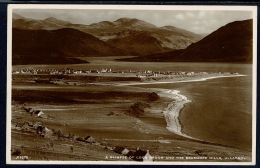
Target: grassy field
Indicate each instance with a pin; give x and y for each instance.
(103, 113)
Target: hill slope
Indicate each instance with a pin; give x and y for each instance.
(32, 24)
(138, 37)
(230, 43)
(56, 46)
(122, 32)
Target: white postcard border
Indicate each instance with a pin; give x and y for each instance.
(11, 7)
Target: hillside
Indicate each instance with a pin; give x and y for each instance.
(122, 32)
(32, 24)
(138, 37)
(138, 43)
(230, 43)
(56, 46)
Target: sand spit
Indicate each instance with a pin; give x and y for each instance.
(172, 81)
(172, 111)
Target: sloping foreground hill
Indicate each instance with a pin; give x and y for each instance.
(230, 43)
(56, 46)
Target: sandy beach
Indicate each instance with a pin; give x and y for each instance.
(198, 79)
(172, 110)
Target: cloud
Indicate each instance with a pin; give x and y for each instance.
(180, 16)
(202, 14)
(190, 14)
(196, 22)
(200, 29)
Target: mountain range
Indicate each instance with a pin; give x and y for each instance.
(145, 38)
(43, 41)
(230, 43)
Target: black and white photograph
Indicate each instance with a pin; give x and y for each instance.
(131, 84)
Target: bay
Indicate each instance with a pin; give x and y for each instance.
(220, 111)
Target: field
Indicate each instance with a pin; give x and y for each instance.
(125, 116)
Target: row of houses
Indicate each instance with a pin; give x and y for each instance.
(45, 132)
(35, 112)
(48, 133)
(141, 73)
(33, 127)
(137, 155)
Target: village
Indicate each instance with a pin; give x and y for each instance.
(110, 72)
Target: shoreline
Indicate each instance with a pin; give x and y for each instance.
(169, 81)
(172, 111)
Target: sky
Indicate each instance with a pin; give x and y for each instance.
(197, 21)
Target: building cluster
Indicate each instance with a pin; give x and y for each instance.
(140, 73)
(48, 133)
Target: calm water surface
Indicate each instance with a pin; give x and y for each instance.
(220, 111)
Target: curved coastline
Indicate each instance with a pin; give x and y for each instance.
(172, 81)
(172, 111)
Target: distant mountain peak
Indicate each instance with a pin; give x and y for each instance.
(102, 24)
(50, 18)
(133, 22)
(169, 27)
(55, 20)
(126, 19)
